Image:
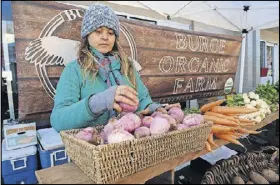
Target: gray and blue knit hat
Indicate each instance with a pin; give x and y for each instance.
(98, 15)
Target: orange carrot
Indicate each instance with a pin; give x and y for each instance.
(208, 147)
(220, 121)
(247, 124)
(245, 131)
(231, 115)
(228, 138)
(211, 141)
(220, 129)
(221, 116)
(233, 110)
(209, 106)
(237, 134)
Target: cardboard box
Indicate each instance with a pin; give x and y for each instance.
(20, 135)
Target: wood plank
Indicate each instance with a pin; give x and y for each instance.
(180, 85)
(166, 54)
(34, 102)
(175, 41)
(157, 27)
(173, 63)
(190, 96)
(62, 174)
(70, 173)
(28, 26)
(31, 85)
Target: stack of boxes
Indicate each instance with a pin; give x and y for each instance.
(19, 153)
(20, 147)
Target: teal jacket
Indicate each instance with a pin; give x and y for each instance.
(71, 104)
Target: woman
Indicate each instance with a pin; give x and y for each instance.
(90, 88)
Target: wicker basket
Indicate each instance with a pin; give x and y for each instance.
(111, 162)
(242, 165)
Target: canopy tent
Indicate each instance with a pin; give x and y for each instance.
(243, 16)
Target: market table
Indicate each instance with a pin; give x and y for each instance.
(71, 174)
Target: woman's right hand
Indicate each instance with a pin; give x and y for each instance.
(127, 95)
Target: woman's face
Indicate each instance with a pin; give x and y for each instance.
(102, 39)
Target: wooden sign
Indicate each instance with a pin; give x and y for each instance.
(176, 64)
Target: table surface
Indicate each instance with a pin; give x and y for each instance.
(69, 173)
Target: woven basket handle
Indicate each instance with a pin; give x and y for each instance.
(272, 149)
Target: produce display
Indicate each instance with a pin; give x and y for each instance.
(130, 126)
(256, 167)
(270, 94)
(233, 120)
(267, 176)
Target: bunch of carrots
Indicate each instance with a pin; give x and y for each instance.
(226, 124)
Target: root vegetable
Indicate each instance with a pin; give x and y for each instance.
(193, 120)
(147, 120)
(142, 132)
(173, 105)
(220, 121)
(270, 175)
(208, 147)
(159, 126)
(90, 130)
(233, 110)
(228, 138)
(211, 141)
(119, 135)
(177, 114)
(83, 135)
(209, 106)
(245, 131)
(237, 180)
(130, 122)
(221, 116)
(97, 140)
(112, 124)
(156, 113)
(171, 120)
(127, 108)
(220, 129)
(257, 178)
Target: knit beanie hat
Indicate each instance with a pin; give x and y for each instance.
(98, 15)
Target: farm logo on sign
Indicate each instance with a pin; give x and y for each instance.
(51, 50)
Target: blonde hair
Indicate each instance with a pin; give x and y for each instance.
(87, 61)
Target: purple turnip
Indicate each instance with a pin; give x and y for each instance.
(177, 114)
(119, 135)
(159, 126)
(147, 120)
(142, 132)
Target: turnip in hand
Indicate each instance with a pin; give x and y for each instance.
(127, 108)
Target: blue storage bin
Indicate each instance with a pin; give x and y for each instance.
(19, 165)
(27, 177)
(51, 148)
